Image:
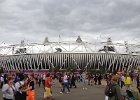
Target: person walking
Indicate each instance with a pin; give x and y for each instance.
(128, 82)
(21, 89)
(48, 86)
(40, 80)
(1, 80)
(60, 80)
(73, 79)
(8, 89)
(95, 78)
(99, 79)
(90, 79)
(84, 76)
(112, 90)
(122, 81)
(43, 80)
(66, 84)
(31, 87)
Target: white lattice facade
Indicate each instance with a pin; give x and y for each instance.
(77, 60)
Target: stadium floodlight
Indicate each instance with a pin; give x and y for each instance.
(126, 46)
(79, 40)
(46, 40)
(109, 41)
(22, 43)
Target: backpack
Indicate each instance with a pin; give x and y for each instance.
(110, 91)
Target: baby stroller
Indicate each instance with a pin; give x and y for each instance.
(132, 94)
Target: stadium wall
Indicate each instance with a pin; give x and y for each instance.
(109, 61)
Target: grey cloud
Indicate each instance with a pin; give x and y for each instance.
(35, 19)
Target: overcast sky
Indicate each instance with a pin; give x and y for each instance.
(33, 20)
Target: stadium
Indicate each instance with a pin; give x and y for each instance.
(69, 54)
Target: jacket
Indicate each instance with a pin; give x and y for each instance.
(128, 80)
(117, 92)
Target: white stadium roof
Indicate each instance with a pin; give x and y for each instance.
(78, 46)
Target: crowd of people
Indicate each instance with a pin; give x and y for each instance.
(21, 86)
(122, 86)
(17, 86)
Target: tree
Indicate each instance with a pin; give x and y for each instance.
(1, 70)
(102, 70)
(91, 70)
(56, 69)
(68, 69)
